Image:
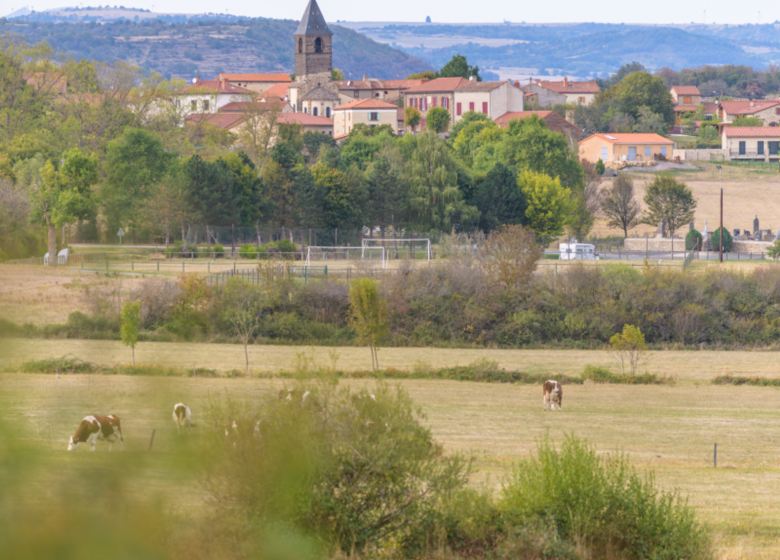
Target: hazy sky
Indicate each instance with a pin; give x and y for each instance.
(465, 11)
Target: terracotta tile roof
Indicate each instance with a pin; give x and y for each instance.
(686, 108)
(278, 90)
(403, 84)
(438, 85)
(352, 84)
(630, 138)
(503, 120)
(378, 84)
(752, 132)
(216, 86)
(480, 86)
(686, 90)
(225, 121)
(710, 107)
(566, 86)
(340, 136)
(261, 104)
(747, 107)
(279, 77)
(365, 104)
(304, 119)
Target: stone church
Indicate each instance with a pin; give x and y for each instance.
(314, 91)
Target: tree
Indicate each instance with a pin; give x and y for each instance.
(649, 122)
(747, 121)
(708, 135)
(600, 167)
(509, 255)
(628, 348)
(78, 174)
(715, 240)
(131, 320)
(693, 240)
(669, 200)
(774, 251)
(242, 306)
(438, 119)
(499, 200)
(38, 179)
(260, 130)
(341, 202)
(548, 202)
(368, 315)
(386, 189)
(412, 117)
(458, 67)
(337, 75)
(640, 89)
(581, 219)
(466, 119)
(619, 205)
(427, 75)
(211, 192)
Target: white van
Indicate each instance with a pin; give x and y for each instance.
(578, 251)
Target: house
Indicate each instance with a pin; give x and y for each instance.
(686, 95)
(259, 83)
(278, 91)
(235, 121)
(554, 122)
(369, 112)
(766, 110)
(257, 105)
(751, 142)
(459, 95)
(376, 89)
(308, 122)
(226, 121)
(625, 147)
(564, 91)
(209, 96)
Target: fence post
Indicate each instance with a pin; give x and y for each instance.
(715, 456)
(151, 441)
(208, 267)
(158, 266)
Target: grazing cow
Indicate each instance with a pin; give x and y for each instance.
(93, 428)
(182, 416)
(553, 394)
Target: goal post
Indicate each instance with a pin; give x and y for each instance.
(329, 254)
(408, 248)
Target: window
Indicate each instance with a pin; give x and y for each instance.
(314, 111)
(773, 147)
(484, 108)
(647, 151)
(205, 105)
(458, 108)
(742, 148)
(300, 45)
(604, 155)
(327, 112)
(663, 151)
(471, 105)
(581, 100)
(357, 93)
(317, 45)
(194, 106)
(760, 147)
(373, 116)
(444, 102)
(304, 110)
(687, 101)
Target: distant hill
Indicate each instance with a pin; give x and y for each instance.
(205, 47)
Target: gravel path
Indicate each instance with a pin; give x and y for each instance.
(662, 166)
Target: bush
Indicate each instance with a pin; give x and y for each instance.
(247, 252)
(600, 167)
(284, 246)
(715, 241)
(601, 503)
(218, 250)
(598, 374)
(693, 240)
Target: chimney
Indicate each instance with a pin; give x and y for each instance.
(751, 103)
(538, 81)
(472, 78)
(365, 79)
(565, 81)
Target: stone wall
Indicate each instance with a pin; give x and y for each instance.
(310, 62)
(653, 244)
(739, 246)
(701, 155)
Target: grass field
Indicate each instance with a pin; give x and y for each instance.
(669, 430)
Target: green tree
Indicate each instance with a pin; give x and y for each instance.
(38, 179)
(254, 204)
(641, 89)
(600, 167)
(548, 202)
(341, 201)
(412, 117)
(715, 240)
(669, 200)
(438, 119)
(581, 219)
(427, 75)
(242, 305)
(458, 67)
(708, 135)
(434, 197)
(628, 348)
(619, 204)
(470, 138)
(386, 193)
(693, 240)
(499, 200)
(748, 121)
(774, 251)
(131, 321)
(649, 122)
(337, 75)
(368, 315)
(211, 192)
(78, 175)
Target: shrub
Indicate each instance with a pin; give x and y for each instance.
(218, 250)
(601, 503)
(629, 348)
(247, 252)
(598, 374)
(693, 240)
(727, 240)
(600, 167)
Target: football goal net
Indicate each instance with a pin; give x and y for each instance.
(401, 248)
(326, 255)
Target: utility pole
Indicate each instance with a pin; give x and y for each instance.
(720, 237)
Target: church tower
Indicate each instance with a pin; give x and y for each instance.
(313, 45)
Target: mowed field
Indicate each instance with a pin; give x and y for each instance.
(667, 430)
(745, 196)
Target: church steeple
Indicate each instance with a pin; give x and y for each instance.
(313, 43)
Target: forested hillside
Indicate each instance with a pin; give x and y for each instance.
(205, 48)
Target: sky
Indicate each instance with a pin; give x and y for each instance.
(462, 11)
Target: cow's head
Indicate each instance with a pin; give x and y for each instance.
(72, 444)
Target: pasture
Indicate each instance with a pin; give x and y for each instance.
(667, 429)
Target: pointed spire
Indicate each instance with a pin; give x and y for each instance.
(313, 22)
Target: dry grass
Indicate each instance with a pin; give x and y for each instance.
(688, 366)
(670, 430)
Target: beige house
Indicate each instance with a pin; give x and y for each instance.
(686, 95)
(369, 88)
(459, 96)
(209, 96)
(370, 112)
(625, 148)
(259, 83)
(748, 142)
(550, 93)
(553, 120)
(766, 110)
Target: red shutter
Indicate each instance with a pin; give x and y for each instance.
(411, 102)
(484, 108)
(458, 108)
(434, 101)
(471, 105)
(422, 124)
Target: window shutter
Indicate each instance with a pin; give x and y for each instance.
(484, 108)
(471, 105)
(458, 108)
(433, 99)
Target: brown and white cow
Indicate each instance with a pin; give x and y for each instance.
(93, 428)
(553, 394)
(182, 416)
